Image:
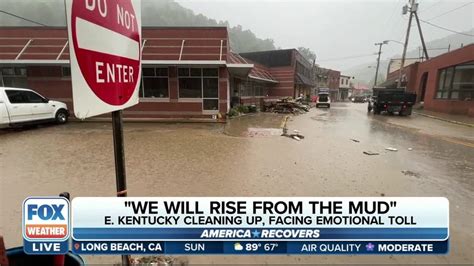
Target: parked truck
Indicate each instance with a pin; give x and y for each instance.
(24, 106)
(391, 101)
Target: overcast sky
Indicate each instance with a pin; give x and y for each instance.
(338, 29)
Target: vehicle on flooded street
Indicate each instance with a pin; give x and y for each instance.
(359, 99)
(391, 101)
(19, 107)
(323, 100)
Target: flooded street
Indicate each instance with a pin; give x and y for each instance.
(247, 157)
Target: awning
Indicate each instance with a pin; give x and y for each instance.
(238, 66)
(259, 73)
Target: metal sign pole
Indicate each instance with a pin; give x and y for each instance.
(120, 175)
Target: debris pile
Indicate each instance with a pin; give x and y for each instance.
(286, 106)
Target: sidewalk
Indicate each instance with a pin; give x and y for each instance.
(456, 119)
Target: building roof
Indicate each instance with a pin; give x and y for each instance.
(262, 73)
(255, 70)
(208, 44)
(235, 58)
(273, 58)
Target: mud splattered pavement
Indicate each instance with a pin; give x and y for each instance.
(434, 158)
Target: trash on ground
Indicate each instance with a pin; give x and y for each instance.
(355, 140)
(371, 153)
(410, 149)
(410, 173)
(391, 149)
(296, 136)
(286, 106)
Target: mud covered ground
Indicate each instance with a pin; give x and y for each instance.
(434, 158)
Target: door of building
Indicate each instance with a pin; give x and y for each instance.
(424, 80)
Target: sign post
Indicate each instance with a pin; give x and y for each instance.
(105, 58)
(119, 154)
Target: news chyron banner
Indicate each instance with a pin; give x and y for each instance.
(237, 225)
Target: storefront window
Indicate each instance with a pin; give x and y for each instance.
(199, 83)
(210, 88)
(456, 83)
(463, 82)
(190, 88)
(13, 77)
(253, 89)
(155, 83)
(66, 71)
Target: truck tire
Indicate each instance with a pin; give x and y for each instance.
(61, 116)
(406, 112)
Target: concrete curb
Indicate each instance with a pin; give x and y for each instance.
(445, 120)
(151, 120)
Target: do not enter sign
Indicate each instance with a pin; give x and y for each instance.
(105, 54)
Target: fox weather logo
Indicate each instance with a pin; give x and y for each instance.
(46, 218)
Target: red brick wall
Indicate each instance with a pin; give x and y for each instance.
(410, 72)
(286, 78)
(432, 67)
(48, 81)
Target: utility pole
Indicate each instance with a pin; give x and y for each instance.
(412, 8)
(407, 36)
(378, 61)
(421, 36)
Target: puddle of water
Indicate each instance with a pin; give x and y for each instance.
(263, 132)
(255, 125)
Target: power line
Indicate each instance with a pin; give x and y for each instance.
(347, 57)
(449, 11)
(446, 29)
(23, 18)
(430, 7)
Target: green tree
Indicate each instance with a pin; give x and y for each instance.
(307, 53)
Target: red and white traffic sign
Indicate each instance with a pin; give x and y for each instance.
(105, 54)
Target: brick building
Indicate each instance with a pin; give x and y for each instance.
(327, 79)
(444, 83)
(184, 69)
(289, 68)
(250, 82)
(187, 72)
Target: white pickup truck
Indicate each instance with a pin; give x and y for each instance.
(24, 106)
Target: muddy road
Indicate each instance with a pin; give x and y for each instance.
(434, 158)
